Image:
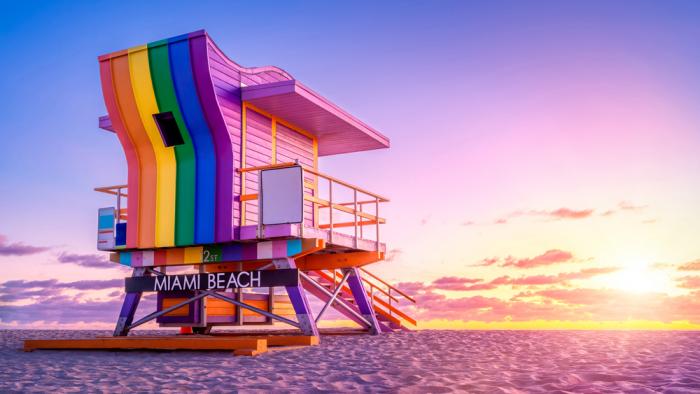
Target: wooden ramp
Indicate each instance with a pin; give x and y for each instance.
(240, 345)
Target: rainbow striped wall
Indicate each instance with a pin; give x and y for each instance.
(178, 195)
(211, 253)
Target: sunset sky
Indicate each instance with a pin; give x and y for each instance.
(544, 169)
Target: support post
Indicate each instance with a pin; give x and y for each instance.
(270, 303)
(131, 302)
(361, 300)
(297, 296)
(239, 298)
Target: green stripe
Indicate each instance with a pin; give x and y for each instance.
(184, 154)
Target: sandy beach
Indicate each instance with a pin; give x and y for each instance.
(424, 361)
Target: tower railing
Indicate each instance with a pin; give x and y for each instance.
(363, 206)
(120, 191)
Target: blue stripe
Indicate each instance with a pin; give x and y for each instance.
(188, 99)
(293, 247)
(125, 258)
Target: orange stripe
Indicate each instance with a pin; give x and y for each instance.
(132, 159)
(144, 149)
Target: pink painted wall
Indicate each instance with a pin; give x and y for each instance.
(227, 77)
(258, 153)
(294, 146)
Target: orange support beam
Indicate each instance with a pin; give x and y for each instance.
(329, 261)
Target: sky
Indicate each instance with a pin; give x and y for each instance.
(543, 169)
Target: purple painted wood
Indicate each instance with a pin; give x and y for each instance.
(297, 296)
(271, 231)
(105, 123)
(129, 306)
(221, 137)
(292, 146)
(325, 297)
(361, 299)
(279, 248)
(226, 82)
(193, 315)
(337, 130)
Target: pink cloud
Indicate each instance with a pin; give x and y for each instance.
(566, 213)
(86, 260)
(689, 282)
(26, 290)
(690, 266)
(553, 256)
(627, 206)
(486, 262)
(563, 277)
(453, 283)
(19, 248)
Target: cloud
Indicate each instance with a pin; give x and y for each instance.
(456, 283)
(562, 305)
(487, 262)
(19, 248)
(64, 309)
(628, 207)
(562, 213)
(550, 257)
(566, 213)
(22, 290)
(564, 277)
(689, 282)
(86, 260)
(690, 266)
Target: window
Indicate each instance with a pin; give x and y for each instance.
(168, 129)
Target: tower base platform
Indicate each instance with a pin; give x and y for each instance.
(241, 345)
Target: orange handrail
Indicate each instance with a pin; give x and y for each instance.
(315, 172)
(388, 285)
(113, 190)
(353, 208)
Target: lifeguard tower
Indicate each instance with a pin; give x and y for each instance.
(225, 214)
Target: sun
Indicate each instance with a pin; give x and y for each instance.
(639, 277)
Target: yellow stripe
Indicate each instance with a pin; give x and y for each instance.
(165, 156)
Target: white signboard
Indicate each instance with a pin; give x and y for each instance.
(282, 195)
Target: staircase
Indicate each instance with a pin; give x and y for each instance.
(383, 297)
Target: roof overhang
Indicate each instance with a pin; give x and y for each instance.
(337, 131)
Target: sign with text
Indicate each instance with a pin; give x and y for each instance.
(213, 281)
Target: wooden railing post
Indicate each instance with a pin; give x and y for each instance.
(354, 211)
(330, 207)
(376, 214)
(389, 301)
(119, 204)
(361, 227)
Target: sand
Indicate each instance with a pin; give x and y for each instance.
(425, 361)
